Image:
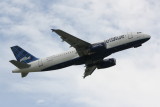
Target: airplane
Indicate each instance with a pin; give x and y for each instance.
(92, 55)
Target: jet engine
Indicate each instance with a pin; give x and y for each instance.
(106, 63)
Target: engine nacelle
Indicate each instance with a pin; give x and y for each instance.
(106, 63)
(98, 47)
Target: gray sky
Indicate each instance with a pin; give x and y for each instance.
(133, 82)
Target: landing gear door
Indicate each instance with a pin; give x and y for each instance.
(40, 64)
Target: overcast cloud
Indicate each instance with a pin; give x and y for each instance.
(133, 82)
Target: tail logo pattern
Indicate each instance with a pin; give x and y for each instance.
(22, 55)
(25, 58)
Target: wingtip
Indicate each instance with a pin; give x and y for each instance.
(54, 30)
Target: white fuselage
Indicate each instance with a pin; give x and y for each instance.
(117, 43)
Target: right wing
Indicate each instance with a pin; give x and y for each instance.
(89, 71)
(80, 45)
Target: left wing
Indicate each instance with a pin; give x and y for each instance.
(89, 71)
(80, 45)
(20, 65)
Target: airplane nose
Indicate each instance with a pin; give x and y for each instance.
(147, 37)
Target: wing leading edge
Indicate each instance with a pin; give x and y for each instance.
(80, 45)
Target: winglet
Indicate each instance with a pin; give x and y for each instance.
(53, 30)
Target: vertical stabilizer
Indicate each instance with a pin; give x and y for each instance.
(22, 55)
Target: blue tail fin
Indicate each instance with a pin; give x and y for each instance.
(22, 55)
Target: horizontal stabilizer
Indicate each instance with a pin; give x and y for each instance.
(19, 65)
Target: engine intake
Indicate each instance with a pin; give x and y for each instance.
(106, 63)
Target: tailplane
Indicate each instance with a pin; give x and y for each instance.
(23, 58)
(22, 55)
(20, 65)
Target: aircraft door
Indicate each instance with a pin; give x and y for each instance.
(130, 36)
(40, 63)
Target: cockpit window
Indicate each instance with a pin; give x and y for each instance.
(139, 32)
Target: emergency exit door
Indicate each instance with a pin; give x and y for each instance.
(130, 36)
(40, 63)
